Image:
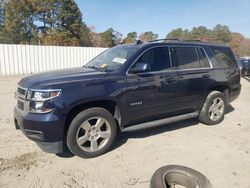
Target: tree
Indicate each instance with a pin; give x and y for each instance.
(107, 37)
(111, 37)
(179, 34)
(221, 34)
(46, 12)
(147, 36)
(175, 34)
(201, 33)
(19, 22)
(70, 23)
(53, 22)
(131, 38)
(235, 43)
(96, 38)
(240, 45)
(1, 15)
(117, 37)
(1, 22)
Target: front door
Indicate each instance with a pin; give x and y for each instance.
(150, 94)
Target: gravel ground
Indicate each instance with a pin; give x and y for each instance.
(220, 152)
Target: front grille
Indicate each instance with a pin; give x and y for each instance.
(20, 105)
(21, 91)
(21, 95)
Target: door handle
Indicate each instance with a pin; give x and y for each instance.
(170, 80)
(206, 76)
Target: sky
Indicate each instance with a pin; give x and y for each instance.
(162, 16)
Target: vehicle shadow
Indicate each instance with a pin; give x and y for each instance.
(142, 133)
(123, 137)
(246, 78)
(229, 109)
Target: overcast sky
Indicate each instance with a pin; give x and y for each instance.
(161, 16)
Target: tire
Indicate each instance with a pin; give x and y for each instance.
(169, 175)
(91, 133)
(213, 110)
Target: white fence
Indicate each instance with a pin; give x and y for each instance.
(26, 59)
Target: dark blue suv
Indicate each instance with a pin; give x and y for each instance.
(142, 84)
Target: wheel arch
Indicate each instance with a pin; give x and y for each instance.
(108, 104)
(223, 88)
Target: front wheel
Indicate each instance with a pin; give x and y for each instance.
(91, 133)
(213, 110)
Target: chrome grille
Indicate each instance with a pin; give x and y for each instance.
(20, 105)
(21, 92)
(21, 96)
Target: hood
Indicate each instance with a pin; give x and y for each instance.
(47, 79)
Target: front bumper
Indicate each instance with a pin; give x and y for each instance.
(45, 129)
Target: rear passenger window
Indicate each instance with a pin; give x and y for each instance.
(223, 57)
(189, 57)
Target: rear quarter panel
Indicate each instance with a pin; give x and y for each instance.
(229, 76)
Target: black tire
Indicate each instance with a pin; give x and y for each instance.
(178, 175)
(77, 122)
(204, 116)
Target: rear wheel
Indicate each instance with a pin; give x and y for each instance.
(213, 110)
(91, 133)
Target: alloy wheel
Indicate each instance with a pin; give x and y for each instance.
(216, 110)
(93, 134)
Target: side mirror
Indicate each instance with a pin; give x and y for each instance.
(139, 67)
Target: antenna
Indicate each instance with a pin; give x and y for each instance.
(138, 42)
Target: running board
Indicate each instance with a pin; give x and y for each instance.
(161, 122)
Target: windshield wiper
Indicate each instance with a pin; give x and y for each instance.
(94, 67)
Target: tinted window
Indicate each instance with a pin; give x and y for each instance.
(185, 57)
(223, 57)
(189, 57)
(203, 58)
(156, 58)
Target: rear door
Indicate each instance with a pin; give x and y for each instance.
(194, 75)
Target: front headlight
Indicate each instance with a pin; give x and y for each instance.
(40, 100)
(43, 95)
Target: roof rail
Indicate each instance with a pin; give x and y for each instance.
(156, 40)
(168, 39)
(192, 40)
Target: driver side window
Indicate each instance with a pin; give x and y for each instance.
(157, 59)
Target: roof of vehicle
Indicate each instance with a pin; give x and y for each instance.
(177, 42)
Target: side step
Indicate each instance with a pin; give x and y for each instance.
(161, 122)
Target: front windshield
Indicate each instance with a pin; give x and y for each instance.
(114, 58)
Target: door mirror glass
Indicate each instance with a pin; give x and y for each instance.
(139, 67)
